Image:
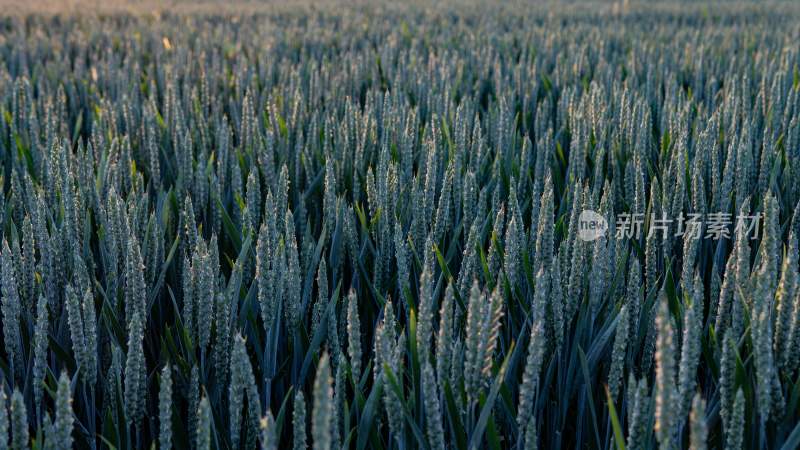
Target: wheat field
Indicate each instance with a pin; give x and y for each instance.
(357, 225)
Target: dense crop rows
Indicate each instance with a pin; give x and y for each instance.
(360, 227)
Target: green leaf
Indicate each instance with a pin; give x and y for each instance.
(370, 411)
(280, 419)
(393, 384)
(319, 335)
(612, 412)
(488, 407)
(450, 278)
(588, 383)
(793, 441)
(454, 416)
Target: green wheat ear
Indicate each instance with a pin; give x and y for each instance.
(11, 309)
(299, 422)
(433, 409)
(354, 335)
(40, 347)
(735, 436)
(665, 392)
(63, 426)
(165, 403)
(4, 420)
(618, 355)
(204, 425)
(268, 439)
(18, 414)
(698, 424)
(322, 412)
